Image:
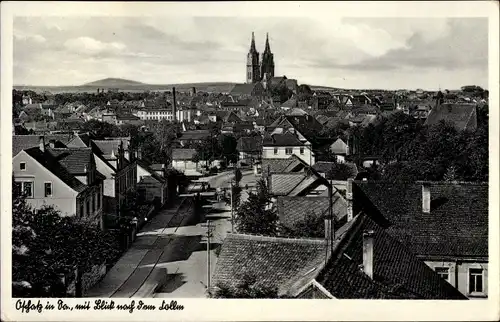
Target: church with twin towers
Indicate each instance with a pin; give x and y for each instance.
(259, 68)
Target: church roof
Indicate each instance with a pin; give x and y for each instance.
(243, 89)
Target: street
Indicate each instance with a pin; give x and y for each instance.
(175, 240)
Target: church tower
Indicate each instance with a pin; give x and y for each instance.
(267, 64)
(253, 67)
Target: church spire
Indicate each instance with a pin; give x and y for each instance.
(268, 48)
(252, 45)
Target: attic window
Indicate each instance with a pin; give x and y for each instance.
(22, 166)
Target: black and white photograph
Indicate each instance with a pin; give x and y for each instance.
(250, 156)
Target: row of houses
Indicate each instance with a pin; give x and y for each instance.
(84, 177)
(424, 240)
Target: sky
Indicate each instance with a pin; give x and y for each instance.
(382, 53)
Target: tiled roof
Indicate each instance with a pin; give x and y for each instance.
(291, 103)
(296, 111)
(294, 209)
(273, 261)
(242, 89)
(47, 160)
(80, 141)
(281, 139)
(107, 147)
(74, 160)
(305, 124)
(461, 115)
(339, 147)
(250, 144)
(195, 135)
(291, 164)
(397, 273)
(153, 175)
(457, 224)
(183, 154)
(23, 142)
(281, 184)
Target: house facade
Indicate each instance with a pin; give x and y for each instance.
(66, 179)
(282, 146)
(444, 224)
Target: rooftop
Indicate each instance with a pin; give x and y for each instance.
(456, 226)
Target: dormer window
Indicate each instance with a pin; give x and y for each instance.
(22, 166)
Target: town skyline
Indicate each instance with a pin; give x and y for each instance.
(375, 53)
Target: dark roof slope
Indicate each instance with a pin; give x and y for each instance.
(195, 135)
(23, 142)
(153, 175)
(281, 139)
(74, 160)
(291, 164)
(461, 115)
(273, 261)
(457, 224)
(50, 163)
(242, 89)
(397, 273)
(294, 209)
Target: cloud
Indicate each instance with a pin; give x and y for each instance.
(21, 36)
(464, 44)
(91, 46)
(351, 52)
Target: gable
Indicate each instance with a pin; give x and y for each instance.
(40, 173)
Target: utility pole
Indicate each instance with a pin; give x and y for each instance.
(232, 211)
(209, 236)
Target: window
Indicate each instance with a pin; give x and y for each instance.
(275, 150)
(22, 166)
(27, 189)
(476, 280)
(88, 207)
(81, 210)
(443, 272)
(98, 200)
(301, 150)
(288, 150)
(93, 203)
(48, 189)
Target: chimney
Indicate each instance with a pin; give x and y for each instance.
(368, 253)
(328, 232)
(426, 198)
(52, 144)
(42, 143)
(349, 199)
(174, 105)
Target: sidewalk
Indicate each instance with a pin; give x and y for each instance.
(126, 277)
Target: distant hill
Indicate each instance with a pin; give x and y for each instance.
(114, 82)
(126, 85)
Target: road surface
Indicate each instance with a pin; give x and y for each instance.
(188, 278)
(175, 240)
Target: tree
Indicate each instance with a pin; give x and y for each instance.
(311, 226)
(256, 215)
(227, 145)
(281, 91)
(47, 246)
(248, 288)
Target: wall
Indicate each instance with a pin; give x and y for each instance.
(268, 153)
(459, 275)
(63, 198)
(183, 165)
